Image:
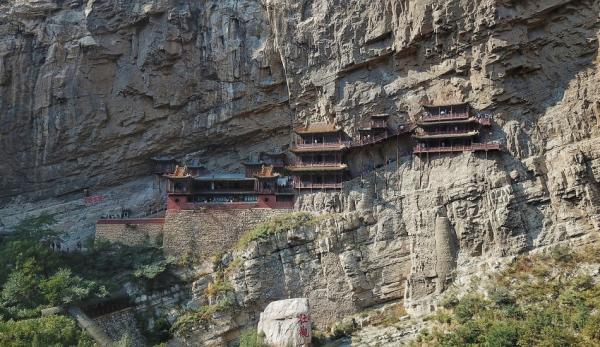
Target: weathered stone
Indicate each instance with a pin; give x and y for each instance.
(91, 90)
(286, 323)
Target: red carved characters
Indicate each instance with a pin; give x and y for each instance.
(304, 324)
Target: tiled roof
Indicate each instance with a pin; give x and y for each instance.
(180, 172)
(318, 128)
(266, 171)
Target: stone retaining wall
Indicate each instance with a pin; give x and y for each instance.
(132, 232)
(121, 327)
(203, 233)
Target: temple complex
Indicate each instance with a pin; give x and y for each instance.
(321, 157)
(451, 128)
(318, 150)
(317, 160)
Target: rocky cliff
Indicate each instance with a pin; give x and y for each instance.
(90, 90)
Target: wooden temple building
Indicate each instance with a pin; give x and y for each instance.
(318, 151)
(451, 128)
(261, 188)
(317, 160)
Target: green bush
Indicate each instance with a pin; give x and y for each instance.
(591, 330)
(469, 306)
(251, 338)
(152, 270)
(539, 300)
(42, 332)
(204, 315)
(344, 328)
(35, 277)
(501, 334)
(64, 288)
(276, 225)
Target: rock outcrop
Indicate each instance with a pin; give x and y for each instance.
(286, 323)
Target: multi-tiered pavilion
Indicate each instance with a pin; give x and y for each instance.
(318, 150)
(451, 128)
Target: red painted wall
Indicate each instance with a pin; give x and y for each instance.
(180, 202)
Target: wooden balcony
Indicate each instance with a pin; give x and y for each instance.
(316, 167)
(475, 147)
(448, 117)
(452, 134)
(319, 147)
(306, 185)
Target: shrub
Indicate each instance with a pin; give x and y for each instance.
(591, 330)
(501, 296)
(47, 331)
(319, 338)
(343, 328)
(218, 287)
(186, 322)
(251, 338)
(561, 254)
(157, 333)
(502, 334)
(469, 306)
(449, 301)
(35, 277)
(540, 300)
(63, 288)
(468, 333)
(276, 225)
(152, 270)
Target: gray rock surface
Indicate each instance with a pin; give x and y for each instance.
(286, 323)
(89, 91)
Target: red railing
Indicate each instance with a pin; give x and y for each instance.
(316, 165)
(446, 132)
(302, 185)
(322, 145)
(442, 117)
(470, 148)
(299, 163)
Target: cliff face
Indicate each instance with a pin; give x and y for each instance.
(89, 91)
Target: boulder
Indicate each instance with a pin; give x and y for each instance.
(286, 323)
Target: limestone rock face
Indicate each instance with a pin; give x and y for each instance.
(90, 90)
(286, 323)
